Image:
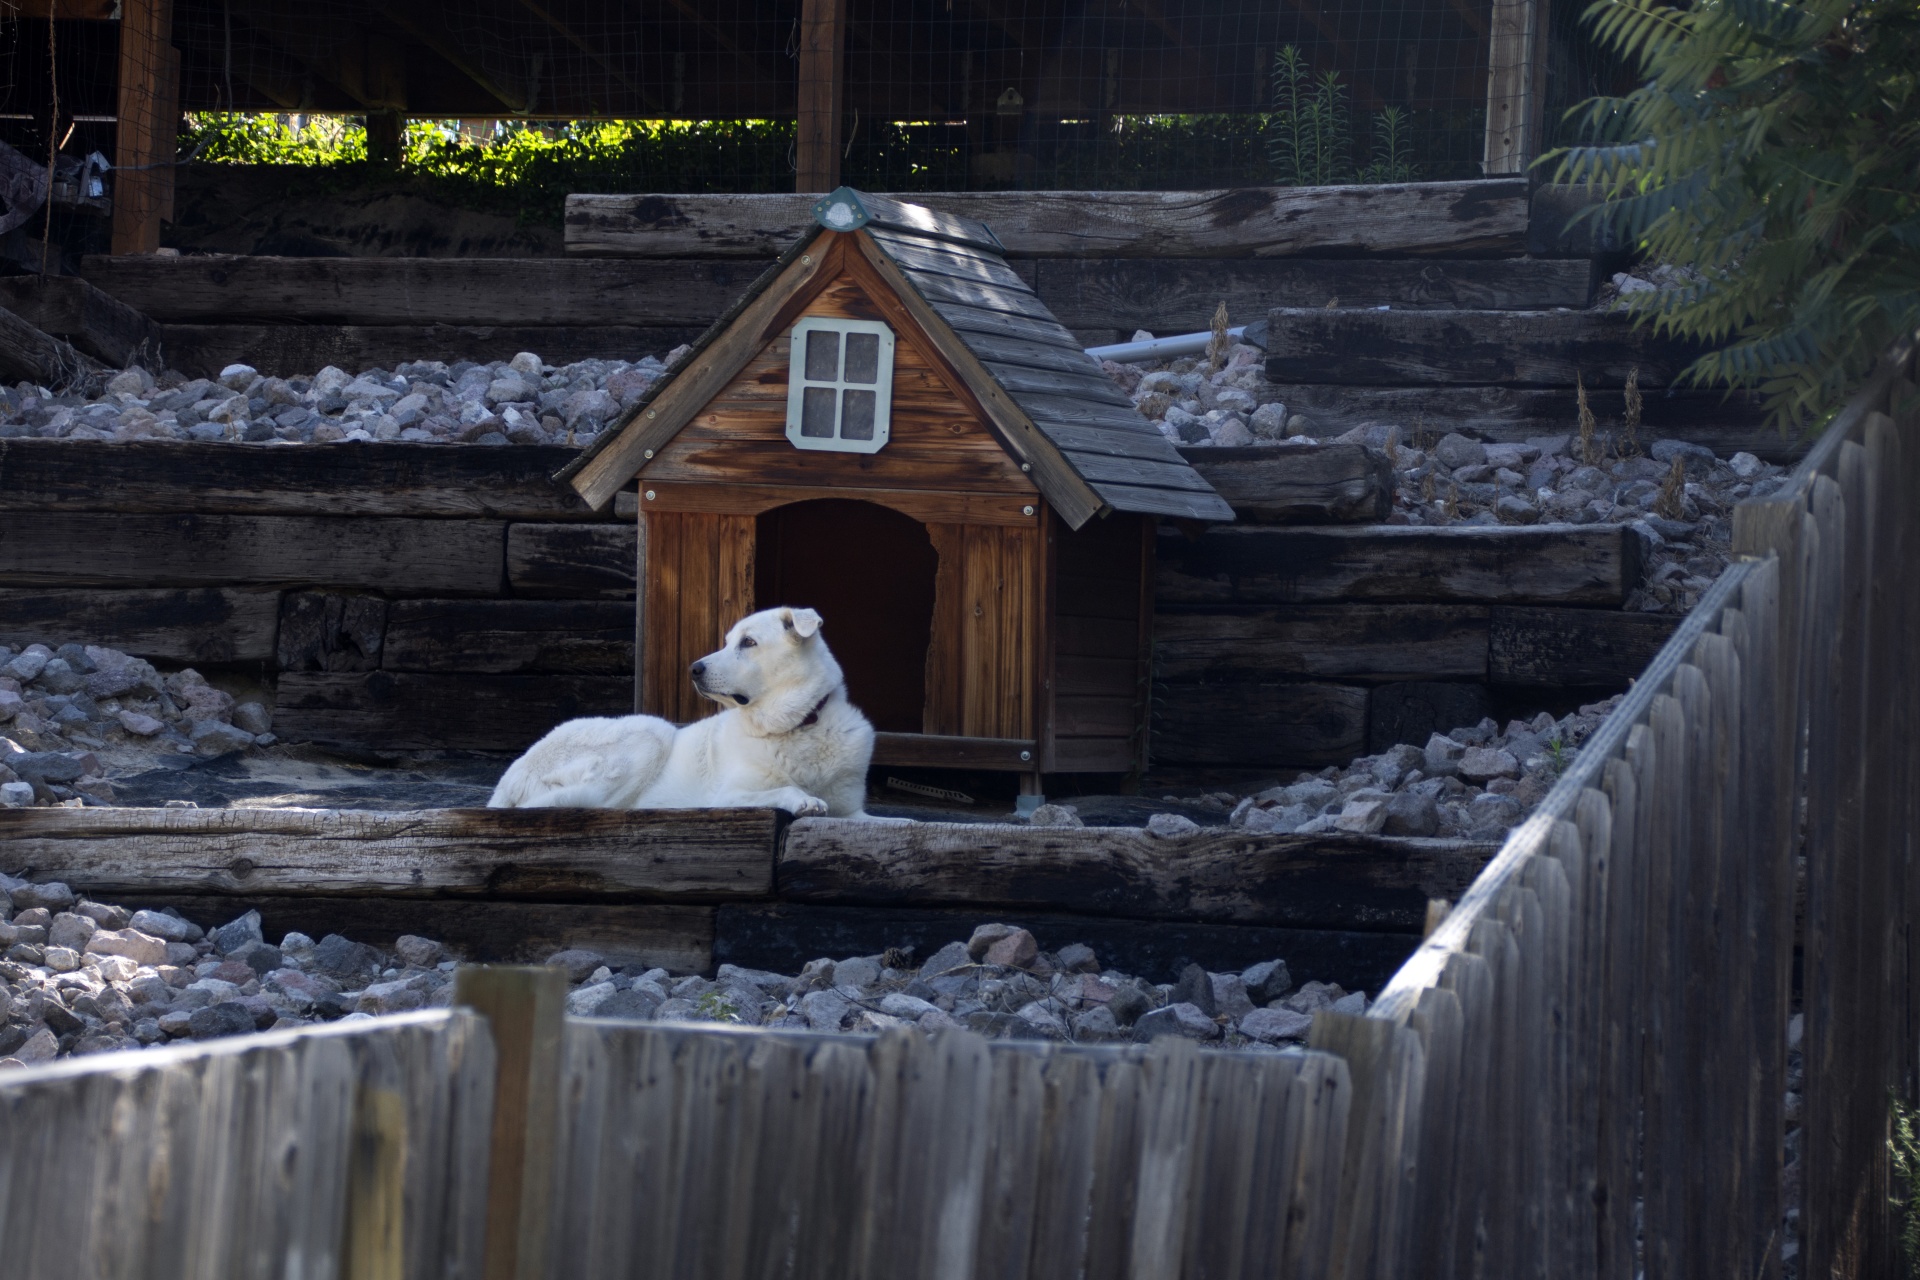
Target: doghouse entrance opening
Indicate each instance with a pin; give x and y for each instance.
(869, 571)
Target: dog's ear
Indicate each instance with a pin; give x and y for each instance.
(804, 623)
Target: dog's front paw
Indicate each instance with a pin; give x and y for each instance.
(802, 805)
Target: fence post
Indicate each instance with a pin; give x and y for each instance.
(524, 1007)
(149, 118)
(823, 25)
(1516, 85)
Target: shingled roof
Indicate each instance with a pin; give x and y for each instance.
(1048, 402)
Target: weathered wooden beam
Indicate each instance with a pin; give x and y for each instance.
(403, 557)
(674, 937)
(29, 355)
(92, 321)
(403, 710)
(295, 350)
(1418, 348)
(144, 138)
(196, 625)
(1218, 875)
(1572, 648)
(757, 936)
(1300, 484)
(1516, 85)
(363, 479)
(572, 561)
(1351, 641)
(1253, 726)
(1427, 218)
(510, 637)
(1535, 564)
(1125, 294)
(499, 854)
(493, 292)
(823, 56)
(940, 751)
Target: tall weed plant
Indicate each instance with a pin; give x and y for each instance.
(1769, 152)
(1310, 140)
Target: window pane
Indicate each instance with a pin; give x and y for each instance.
(823, 357)
(816, 411)
(856, 422)
(863, 357)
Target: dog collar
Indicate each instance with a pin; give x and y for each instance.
(813, 716)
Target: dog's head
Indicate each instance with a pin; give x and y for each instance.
(775, 668)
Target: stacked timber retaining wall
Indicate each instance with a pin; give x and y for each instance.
(403, 596)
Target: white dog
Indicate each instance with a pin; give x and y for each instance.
(789, 738)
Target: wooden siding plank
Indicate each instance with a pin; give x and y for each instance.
(571, 560)
(190, 625)
(506, 637)
(1421, 641)
(399, 710)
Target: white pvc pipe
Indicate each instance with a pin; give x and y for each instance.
(1185, 344)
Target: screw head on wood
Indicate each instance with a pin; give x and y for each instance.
(648, 454)
(1026, 511)
(1026, 755)
(1026, 466)
(649, 495)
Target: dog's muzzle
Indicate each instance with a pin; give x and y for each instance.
(699, 671)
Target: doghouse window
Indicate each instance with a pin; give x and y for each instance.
(840, 385)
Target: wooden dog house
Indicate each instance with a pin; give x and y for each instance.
(890, 427)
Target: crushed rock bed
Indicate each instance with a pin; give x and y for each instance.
(519, 401)
(83, 977)
(1678, 496)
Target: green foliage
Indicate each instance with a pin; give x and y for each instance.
(1310, 131)
(717, 1006)
(1904, 1147)
(1392, 149)
(1769, 153)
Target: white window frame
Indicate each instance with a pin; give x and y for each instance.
(798, 382)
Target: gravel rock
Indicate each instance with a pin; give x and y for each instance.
(229, 1018)
(1077, 957)
(1267, 981)
(1184, 1020)
(141, 948)
(578, 963)
(953, 956)
(421, 953)
(166, 927)
(1480, 764)
(1128, 1005)
(1194, 987)
(1274, 1025)
(337, 957)
(236, 933)
(1017, 950)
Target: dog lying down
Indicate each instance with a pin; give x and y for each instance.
(789, 739)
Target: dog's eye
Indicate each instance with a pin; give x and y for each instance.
(747, 642)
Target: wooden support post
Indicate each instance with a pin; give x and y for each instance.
(823, 26)
(1516, 85)
(145, 141)
(524, 1007)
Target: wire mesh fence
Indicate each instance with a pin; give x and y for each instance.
(705, 95)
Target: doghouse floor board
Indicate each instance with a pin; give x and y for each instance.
(506, 883)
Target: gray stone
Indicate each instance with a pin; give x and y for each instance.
(215, 738)
(16, 795)
(252, 717)
(104, 914)
(1455, 450)
(947, 959)
(1180, 1019)
(1353, 1004)
(1194, 987)
(341, 958)
(261, 957)
(228, 1018)
(1267, 981)
(898, 1004)
(1746, 466)
(1128, 1004)
(58, 676)
(1362, 816)
(1514, 509)
(1480, 764)
(1275, 1025)
(71, 931)
(1055, 815)
(41, 1046)
(163, 926)
(1172, 826)
(1230, 994)
(584, 1002)
(236, 933)
(141, 948)
(856, 971)
(1017, 950)
(1097, 1023)
(985, 936)
(762, 983)
(827, 1010)
(577, 962)
(1043, 1018)
(638, 1003)
(1077, 957)
(1491, 815)
(421, 953)
(1442, 757)
(398, 996)
(1698, 458)
(1269, 421)
(1412, 814)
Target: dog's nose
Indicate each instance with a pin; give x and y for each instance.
(699, 669)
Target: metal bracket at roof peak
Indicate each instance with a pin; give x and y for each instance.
(841, 210)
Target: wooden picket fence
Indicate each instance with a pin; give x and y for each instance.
(1581, 1072)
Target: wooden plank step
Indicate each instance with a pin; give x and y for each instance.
(1219, 875)
(573, 560)
(1727, 424)
(102, 326)
(397, 556)
(772, 935)
(1350, 641)
(1488, 216)
(301, 350)
(510, 637)
(1288, 724)
(1118, 295)
(426, 292)
(189, 625)
(1571, 648)
(1299, 484)
(498, 854)
(348, 478)
(1534, 564)
(673, 936)
(1356, 346)
(402, 710)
